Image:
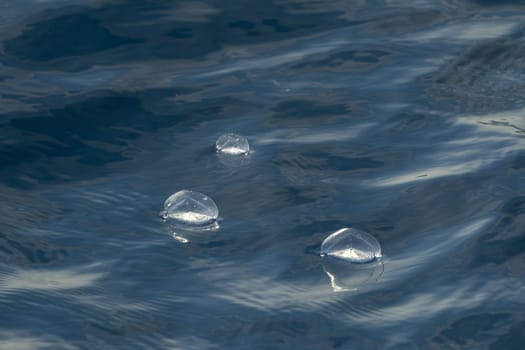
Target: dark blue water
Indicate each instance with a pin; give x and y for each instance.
(405, 119)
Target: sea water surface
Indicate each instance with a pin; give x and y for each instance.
(403, 119)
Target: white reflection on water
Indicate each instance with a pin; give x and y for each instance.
(25, 341)
(474, 30)
(265, 294)
(297, 135)
(188, 11)
(25, 279)
(428, 247)
(186, 342)
(83, 80)
(275, 59)
(472, 293)
(484, 140)
(13, 12)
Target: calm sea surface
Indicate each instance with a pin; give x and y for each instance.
(405, 119)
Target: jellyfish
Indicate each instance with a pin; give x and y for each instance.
(232, 144)
(190, 210)
(351, 259)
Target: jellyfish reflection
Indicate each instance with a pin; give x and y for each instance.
(345, 276)
(234, 161)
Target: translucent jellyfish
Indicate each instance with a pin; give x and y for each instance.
(354, 246)
(351, 245)
(232, 144)
(190, 209)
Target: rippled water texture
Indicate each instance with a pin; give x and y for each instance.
(404, 119)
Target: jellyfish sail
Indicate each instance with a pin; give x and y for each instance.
(352, 245)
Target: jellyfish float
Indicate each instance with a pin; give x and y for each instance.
(190, 211)
(351, 259)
